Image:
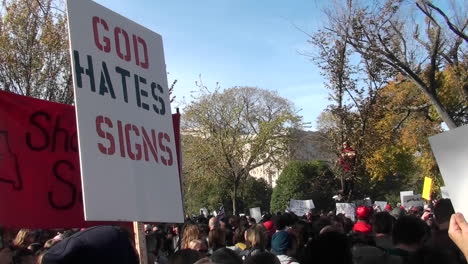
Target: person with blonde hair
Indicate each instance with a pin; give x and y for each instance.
(191, 232)
(199, 245)
(23, 239)
(256, 239)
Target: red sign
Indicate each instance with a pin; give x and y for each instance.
(40, 184)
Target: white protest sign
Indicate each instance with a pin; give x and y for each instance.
(365, 202)
(256, 213)
(204, 211)
(413, 201)
(403, 194)
(381, 204)
(126, 140)
(451, 152)
(444, 192)
(301, 207)
(348, 209)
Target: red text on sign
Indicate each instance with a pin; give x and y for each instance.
(133, 142)
(124, 48)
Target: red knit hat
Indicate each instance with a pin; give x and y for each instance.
(388, 207)
(363, 212)
(270, 227)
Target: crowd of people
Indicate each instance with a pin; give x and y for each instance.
(394, 235)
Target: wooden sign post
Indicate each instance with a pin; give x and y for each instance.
(140, 242)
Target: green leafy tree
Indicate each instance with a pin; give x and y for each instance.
(203, 189)
(256, 193)
(34, 55)
(235, 131)
(301, 180)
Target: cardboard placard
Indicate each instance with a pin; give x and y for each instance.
(256, 213)
(365, 202)
(348, 209)
(444, 192)
(413, 201)
(451, 152)
(404, 193)
(427, 188)
(301, 207)
(381, 204)
(128, 159)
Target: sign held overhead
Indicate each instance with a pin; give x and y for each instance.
(127, 147)
(451, 152)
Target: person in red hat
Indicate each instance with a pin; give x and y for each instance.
(270, 227)
(388, 208)
(363, 214)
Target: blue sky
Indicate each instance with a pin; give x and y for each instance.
(236, 43)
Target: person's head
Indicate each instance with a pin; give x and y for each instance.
(198, 245)
(23, 256)
(176, 229)
(280, 243)
(23, 238)
(190, 233)
(155, 242)
(281, 222)
(270, 227)
(382, 223)
(213, 223)
(443, 210)
(226, 256)
(409, 231)
(222, 223)
(96, 245)
(185, 256)
(320, 223)
(239, 235)
(363, 213)
(35, 247)
(252, 221)
(329, 247)
(216, 238)
(345, 144)
(234, 221)
(388, 207)
(256, 236)
(262, 258)
(397, 212)
(49, 243)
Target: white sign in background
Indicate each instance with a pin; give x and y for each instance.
(403, 194)
(301, 207)
(381, 204)
(413, 201)
(451, 152)
(127, 148)
(444, 192)
(256, 213)
(348, 209)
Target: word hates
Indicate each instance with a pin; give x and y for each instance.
(147, 141)
(142, 88)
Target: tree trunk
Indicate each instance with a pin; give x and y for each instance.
(234, 200)
(342, 184)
